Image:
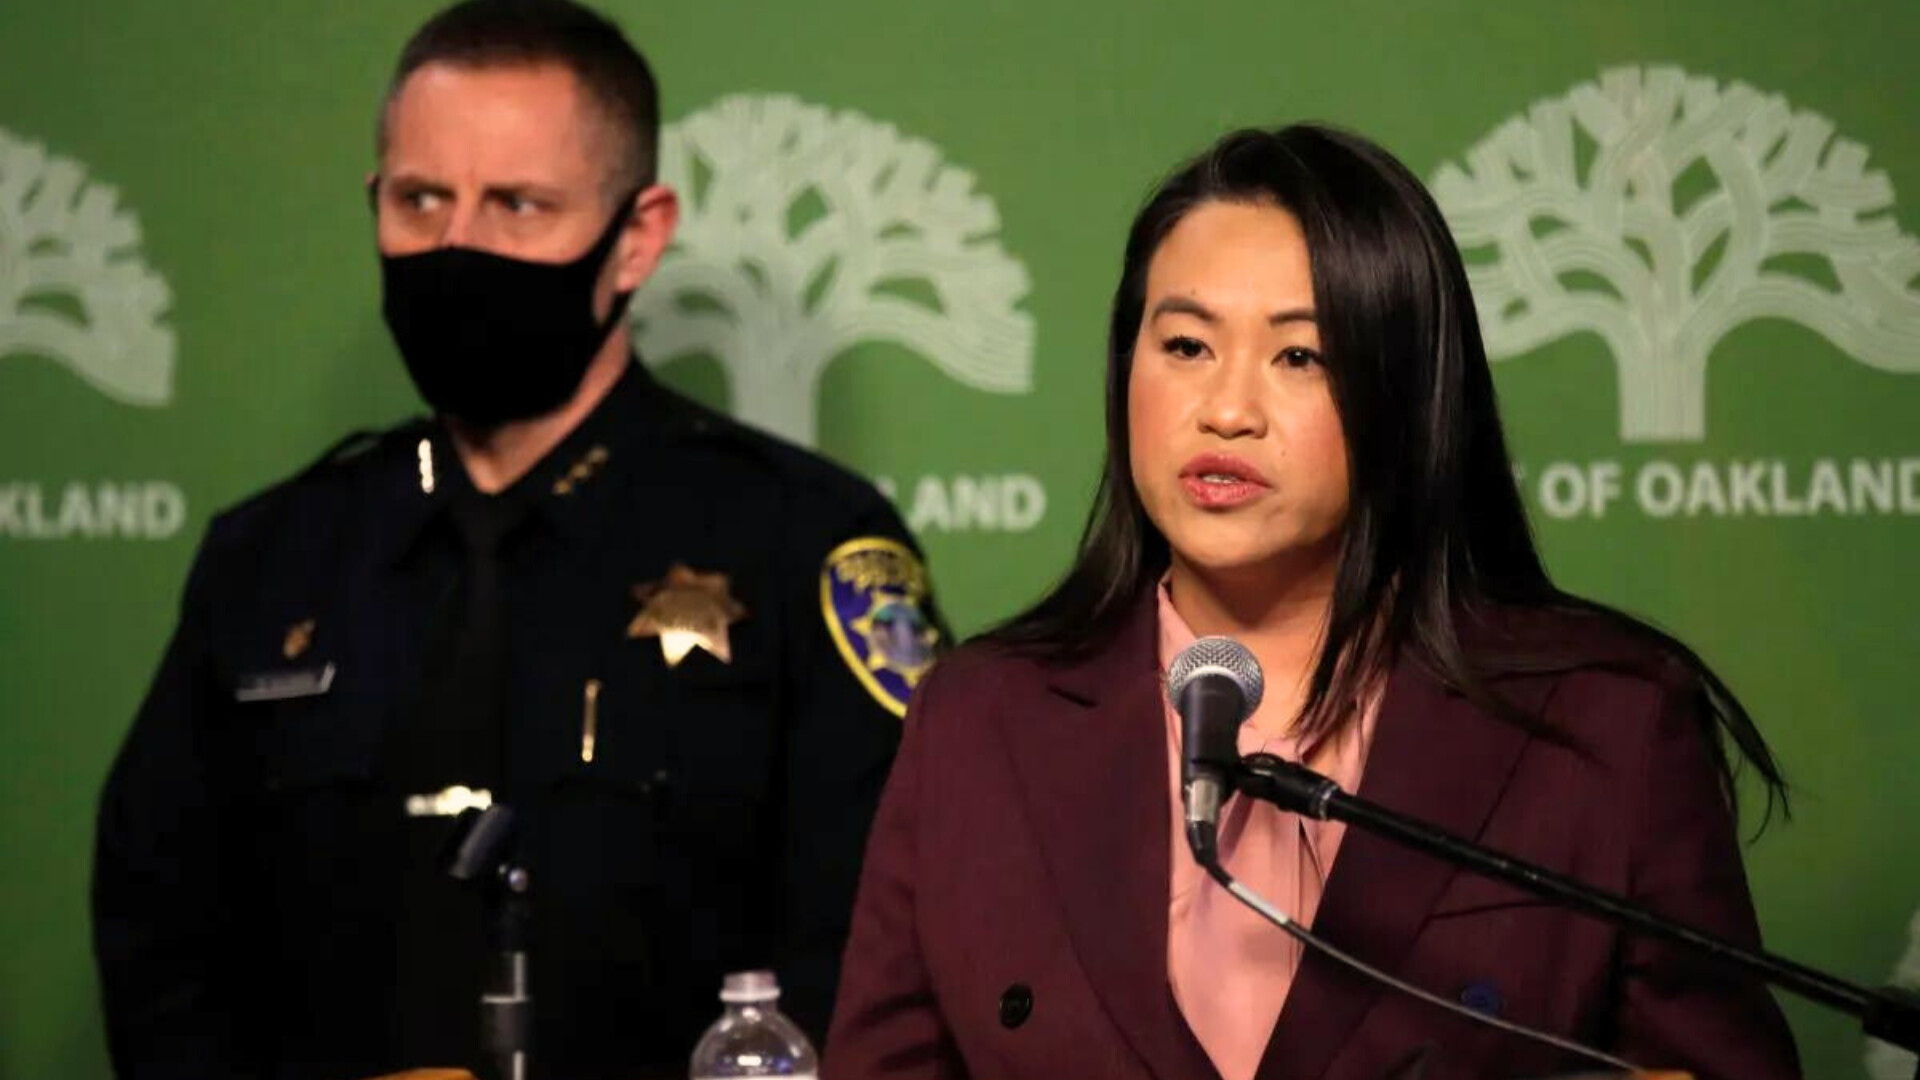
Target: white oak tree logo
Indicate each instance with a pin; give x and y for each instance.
(806, 232)
(73, 288)
(1661, 210)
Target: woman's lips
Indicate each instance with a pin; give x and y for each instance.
(1219, 481)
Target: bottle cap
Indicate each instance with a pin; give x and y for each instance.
(750, 986)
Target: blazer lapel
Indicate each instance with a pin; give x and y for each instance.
(1092, 766)
(1435, 757)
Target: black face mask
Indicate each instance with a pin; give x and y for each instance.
(489, 339)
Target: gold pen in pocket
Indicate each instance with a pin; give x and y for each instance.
(589, 719)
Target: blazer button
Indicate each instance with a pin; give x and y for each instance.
(1483, 997)
(1016, 1004)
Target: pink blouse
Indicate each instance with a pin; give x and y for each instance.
(1229, 968)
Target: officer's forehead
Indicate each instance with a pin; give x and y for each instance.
(496, 120)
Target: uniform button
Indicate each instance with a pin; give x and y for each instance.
(1016, 1004)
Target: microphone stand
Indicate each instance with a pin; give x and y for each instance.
(480, 854)
(1889, 1014)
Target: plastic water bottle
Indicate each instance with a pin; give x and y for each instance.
(752, 1038)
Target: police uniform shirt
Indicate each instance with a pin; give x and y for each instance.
(709, 638)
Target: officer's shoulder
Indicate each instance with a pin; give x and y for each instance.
(798, 472)
(328, 481)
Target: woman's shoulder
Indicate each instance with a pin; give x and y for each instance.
(983, 656)
(1600, 677)
(981, 671)
(1504, 641)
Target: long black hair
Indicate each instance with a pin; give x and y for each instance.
(1436, 533)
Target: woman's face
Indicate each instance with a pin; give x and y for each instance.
(1237, 450)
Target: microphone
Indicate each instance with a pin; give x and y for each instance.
(1214, 684)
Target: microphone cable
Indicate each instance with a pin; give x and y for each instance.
(1310, 940)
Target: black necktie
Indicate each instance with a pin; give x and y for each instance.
(461, 736)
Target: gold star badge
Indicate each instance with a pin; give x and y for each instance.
(685, 610)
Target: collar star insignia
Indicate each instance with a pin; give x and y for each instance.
(299, 636)
(687, 610)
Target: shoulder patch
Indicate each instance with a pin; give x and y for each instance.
(873, 594)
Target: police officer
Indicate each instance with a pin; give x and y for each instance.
(676, 648)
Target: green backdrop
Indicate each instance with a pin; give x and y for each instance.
(1693, 241)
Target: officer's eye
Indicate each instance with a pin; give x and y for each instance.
(420, 200)
(515, 203)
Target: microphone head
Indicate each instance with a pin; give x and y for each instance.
(1217, 656)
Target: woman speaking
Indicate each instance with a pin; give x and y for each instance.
(1303, 454)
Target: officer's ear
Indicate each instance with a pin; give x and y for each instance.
(650, 223)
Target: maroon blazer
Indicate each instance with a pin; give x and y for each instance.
(1012, 917)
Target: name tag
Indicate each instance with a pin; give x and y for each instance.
(282, 685)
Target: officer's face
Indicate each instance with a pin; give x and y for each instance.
(511, 160)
